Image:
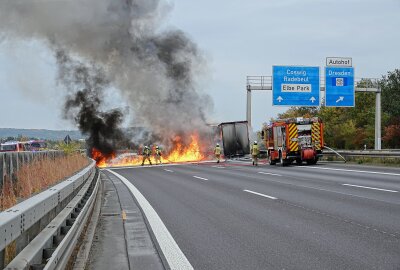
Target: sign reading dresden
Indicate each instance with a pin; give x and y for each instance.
(295, 86)
(339, 86)
(339, 62)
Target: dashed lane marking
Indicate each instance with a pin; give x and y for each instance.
(260, 194)
(347, 170)
(201, 178)
(274, 174)
(380, 189)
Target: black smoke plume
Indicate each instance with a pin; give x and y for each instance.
(84, 105)
(122, 44)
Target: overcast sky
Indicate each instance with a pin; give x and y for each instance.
(239, 38)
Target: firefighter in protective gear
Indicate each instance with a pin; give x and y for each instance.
(146, 154)
(254, 153)
(158, 155)
(217, 152)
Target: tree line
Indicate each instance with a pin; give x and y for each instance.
(352, 128)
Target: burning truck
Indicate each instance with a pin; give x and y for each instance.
(233, 136)
(177, 153)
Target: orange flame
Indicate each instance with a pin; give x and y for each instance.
(101, 159)
(179, 153)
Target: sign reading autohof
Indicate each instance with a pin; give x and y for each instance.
(339, 87)
(339, 62)
(295, 86)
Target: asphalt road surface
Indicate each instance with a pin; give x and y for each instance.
(236, 216)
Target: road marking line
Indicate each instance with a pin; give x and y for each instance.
(388, 190)
(173, 254)
(321, 189)
(270, 173)
(259, 194)
(347, 170)
(168, 170)
(123, 215)
(219, 167)
(198, 177)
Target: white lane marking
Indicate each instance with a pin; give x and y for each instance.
(321, 189)
(198, 177)
(172, 253)
(219, 167)
(270, 173)
(168, 170)
(381, 189)
(259, 194)
(347, 170)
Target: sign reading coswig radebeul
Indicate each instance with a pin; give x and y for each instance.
(295, 86)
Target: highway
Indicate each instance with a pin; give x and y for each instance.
(236, 216)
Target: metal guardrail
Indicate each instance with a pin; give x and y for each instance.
(366, 153)
(10, 162)
(52, 212)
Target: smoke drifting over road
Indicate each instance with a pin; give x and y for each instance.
(119, 44)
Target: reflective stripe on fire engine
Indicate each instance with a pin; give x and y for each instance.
(293, 134)
(316, 135)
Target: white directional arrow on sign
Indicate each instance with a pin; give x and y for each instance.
(340, 99)
(312, 99)
(279, 99)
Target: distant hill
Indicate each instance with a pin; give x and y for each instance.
(43, 134)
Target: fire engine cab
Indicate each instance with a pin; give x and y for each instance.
(295, 139)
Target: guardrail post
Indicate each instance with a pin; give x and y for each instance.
(2, 170)
(2, 253)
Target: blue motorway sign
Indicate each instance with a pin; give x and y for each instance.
(295, 86)
(339, 86)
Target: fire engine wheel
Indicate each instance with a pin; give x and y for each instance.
(270, 161)
(299, 161)
(282, 162)
(312, 161)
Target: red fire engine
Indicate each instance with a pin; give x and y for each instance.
(296, 139)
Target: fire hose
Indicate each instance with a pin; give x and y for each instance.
(335, 152)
